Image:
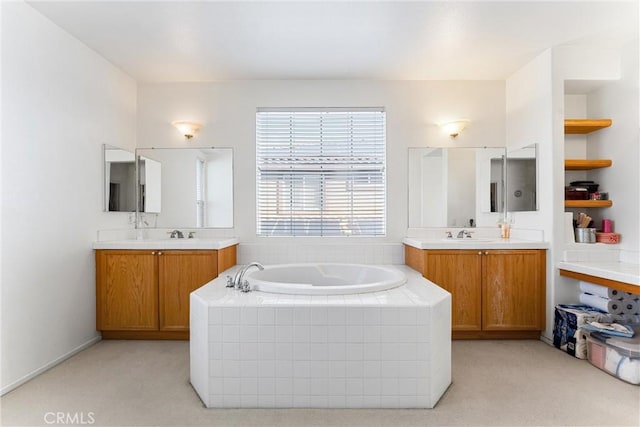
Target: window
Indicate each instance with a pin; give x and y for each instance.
(321, 172)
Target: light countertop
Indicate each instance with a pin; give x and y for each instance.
(619, 271)
(167, 244)
(473, 243)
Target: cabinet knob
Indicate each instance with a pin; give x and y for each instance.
(479, 252)
(486, 252)
(153, 253)
(159, 253)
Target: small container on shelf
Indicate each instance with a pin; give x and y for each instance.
(591, 186)
(585, 235)
(576, 193)
(611, 238)
(599, 196)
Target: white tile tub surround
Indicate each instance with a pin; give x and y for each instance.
(389, 349)
(272, 252)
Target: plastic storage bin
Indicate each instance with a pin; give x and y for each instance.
(617, 356)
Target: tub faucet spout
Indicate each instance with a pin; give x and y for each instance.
(237, 280)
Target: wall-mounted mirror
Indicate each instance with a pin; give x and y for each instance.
(522, 179)
(119, 180)
(455, 187)
(187, 187)
(149, 185)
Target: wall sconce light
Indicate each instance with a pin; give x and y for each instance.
(188, 129)
(453, 128)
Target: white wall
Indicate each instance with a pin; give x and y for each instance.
(529, 105)
(618, 100)
(227, 110)
(61, 102)
(529, 121)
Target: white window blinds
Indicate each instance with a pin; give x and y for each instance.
(321, 172)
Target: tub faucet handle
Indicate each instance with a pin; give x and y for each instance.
(230, 283)
(245, 286)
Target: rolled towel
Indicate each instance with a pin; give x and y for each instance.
(615, 307)
(604, 304)
(601, 291)
(630, 306)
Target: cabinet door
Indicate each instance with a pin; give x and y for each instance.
(458, 272)
(180, 273)
(513, 290)
(126, 290)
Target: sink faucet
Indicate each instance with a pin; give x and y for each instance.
(176, 233)
(237, 280)
(464, 233)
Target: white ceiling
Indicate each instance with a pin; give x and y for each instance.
(428, 40)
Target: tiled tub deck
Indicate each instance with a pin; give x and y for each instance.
(389, 349)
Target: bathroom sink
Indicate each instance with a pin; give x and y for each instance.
(468, 240)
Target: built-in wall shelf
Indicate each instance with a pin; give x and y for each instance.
(588, 203)
(585, 165)
(582, 126)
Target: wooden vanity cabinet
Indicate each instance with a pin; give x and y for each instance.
(495, 293)
(144, 294)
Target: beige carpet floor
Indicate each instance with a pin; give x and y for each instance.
(495, 383)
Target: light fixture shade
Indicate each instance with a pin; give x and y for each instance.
(186, 128)
(453, 128)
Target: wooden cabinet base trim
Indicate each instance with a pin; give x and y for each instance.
(145, 335)
(494, 335)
